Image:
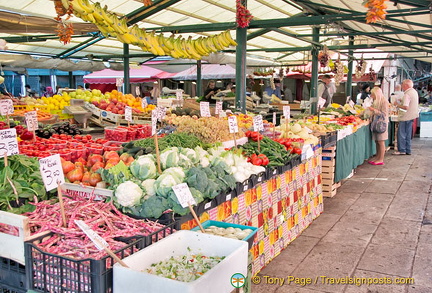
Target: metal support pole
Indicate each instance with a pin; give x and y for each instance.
(350, 68)
(241, 38)
(71, 80)
(199, 89)
(126, 84)
(314, 77)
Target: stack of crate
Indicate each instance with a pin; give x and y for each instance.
(328, 172)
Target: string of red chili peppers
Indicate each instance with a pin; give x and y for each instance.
(243, 15)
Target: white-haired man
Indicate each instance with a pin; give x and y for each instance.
(408, 111)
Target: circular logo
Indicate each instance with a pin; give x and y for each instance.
(238, 280)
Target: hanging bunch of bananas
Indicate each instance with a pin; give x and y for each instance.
(110, 25)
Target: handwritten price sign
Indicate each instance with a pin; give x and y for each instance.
(6, 107)
(52, 172)
(154, 121)
(232, 123)
(8, 142)
(218, 108)
(179, 95)
(274, 118)
(31, 121)
(119, 82)
(205, 109)
(98, 241)
(287, 112)
(128, 113)
(258, 123)
(184, 195)
(321, 102)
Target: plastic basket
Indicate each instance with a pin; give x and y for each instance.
(12, 276)
(48, 272)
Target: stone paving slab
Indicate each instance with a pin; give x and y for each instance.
(419, 289)
(321, 225)
(411, 185)
(393, 231)
(384, 186)
(296, 289)
(408, 206)
(393, 260)
(331, 260)
(340, 203)
(422, 272)
(372, 282)
(355, 185)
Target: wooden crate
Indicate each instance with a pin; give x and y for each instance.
(330, 190)
(329, 163)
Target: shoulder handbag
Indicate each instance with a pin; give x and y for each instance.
(378, 124)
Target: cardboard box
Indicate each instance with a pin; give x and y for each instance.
(216, 280)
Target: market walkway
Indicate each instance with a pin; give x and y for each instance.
(379, 225)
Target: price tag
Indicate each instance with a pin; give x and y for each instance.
(348, 99)
(6, 107)
(218, 108)
(98, 241)
(154, 121)
(161, 113)
(287, 112)
(144, 103)
(321, 102)
(31, 121)
(137, 91)
(52, 172)
(232, 123)
(351, 103)
(274, 118)
(205, 109)
(222, 114)
(128, 113)
(179, 95)
(228, 197)
(8, 142)
(119, 82)
(208, 205)
(184, 195)
(258, 123)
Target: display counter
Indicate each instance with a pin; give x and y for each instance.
(281, 207)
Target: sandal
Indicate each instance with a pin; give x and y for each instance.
(377, 164)
(398, 153)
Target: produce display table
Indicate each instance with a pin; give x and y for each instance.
(281, 207)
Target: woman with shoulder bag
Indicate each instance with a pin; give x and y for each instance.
(379, 124)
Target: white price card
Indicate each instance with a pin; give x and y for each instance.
(232, 123)
(161, 113)
(258, 123)
(98, 241)
(274, 118)
(154, 121)
(52, 172)
(218, 107)
(205, 109)
(179, 95)
(351, 103)
(144, 103)
(137, 91)
(31, 121)
(287, 112)
(321, 102)
(184, 195)
(128, 113)
(8, 142)
(119, 82)
(6, 107)
(348, 99)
